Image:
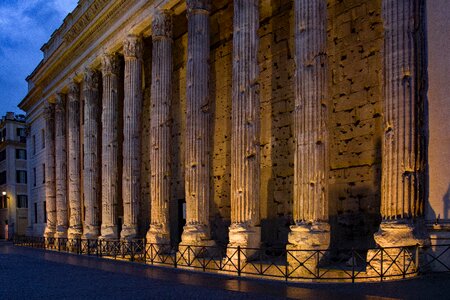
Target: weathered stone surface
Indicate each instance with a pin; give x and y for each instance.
(110, 151)
(160, 127)
(61, 167)
(91, 162)
(73, 157)
(50, 184)
(132, 142)
(245, 124)
(197, 146)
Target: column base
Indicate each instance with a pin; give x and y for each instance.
(109, 232)
(196, 239)
(246, 237)
(75, 232)
(61, 232)
(91, 232)
(158, 239)
(49, 232)
(395, 259)
(307, 245)
(129, 232)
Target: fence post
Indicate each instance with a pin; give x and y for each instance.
(353, 265)
(239, 260)
(175, 259)
(417, 257)
(381, 268)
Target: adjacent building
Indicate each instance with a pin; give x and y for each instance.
(292, 123)
(13, 176)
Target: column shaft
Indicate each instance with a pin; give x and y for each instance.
(310, 206)
(403, 147)
(161, 91)
(197, 147)
(91, 172)
(75, 225)
(110, 146)
(50, 185)
(61, 167)
(245, 148)
(132, 142)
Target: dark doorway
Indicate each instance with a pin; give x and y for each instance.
(181, 221)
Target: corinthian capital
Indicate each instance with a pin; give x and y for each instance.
(74, 91)
(48, 111)
(59, 104)
(162, 24)
(90, 79)
(132, 47)
(195, 6)
(110, 64)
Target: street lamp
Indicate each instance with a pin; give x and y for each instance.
(4, 193)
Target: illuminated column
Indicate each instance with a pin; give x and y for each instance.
(245, 127)
(132, 50)
(161, 91)
(110, 146)
(91, 172)
(311, 229)
(197, 147)
(50, 185)
(73, 97)
(61, 167)
(403, 163)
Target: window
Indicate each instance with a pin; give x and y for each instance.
(21, 154)
(34, 145)
(21, 176)
(22, 201)
(2, 155)
(3, 177)
(45, 212)
(43, 173)
(34, 176)
(35, 213)
(43, 138)
(4, 202)
(20, 131)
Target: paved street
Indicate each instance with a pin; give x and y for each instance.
(36, 274)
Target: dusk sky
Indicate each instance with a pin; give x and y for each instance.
(25, 25)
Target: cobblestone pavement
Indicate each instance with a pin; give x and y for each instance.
(37, 274)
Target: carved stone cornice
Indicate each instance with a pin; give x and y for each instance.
(132, 47)
(110, 64)
(198, 6)
(162, 24)
(90, 79)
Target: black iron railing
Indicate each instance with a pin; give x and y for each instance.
(376, 264)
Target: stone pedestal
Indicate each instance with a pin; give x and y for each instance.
(161, 91)
(91, 172)
(60, 167)
(131, 188)
(110, 146)
(73, 157)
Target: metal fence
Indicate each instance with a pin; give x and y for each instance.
(349, 265)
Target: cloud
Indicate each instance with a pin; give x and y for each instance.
(25, 25)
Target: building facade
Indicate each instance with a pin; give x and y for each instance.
(13, 176)
(295, 123)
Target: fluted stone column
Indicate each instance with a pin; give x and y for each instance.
(110, 146)
(73, 158)
(61, 167)
(403, 167)
(161, 91)
(91, 172)
(197, 147)
(132, 50)
(310, 208)
(50, 184)
(245, 127)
